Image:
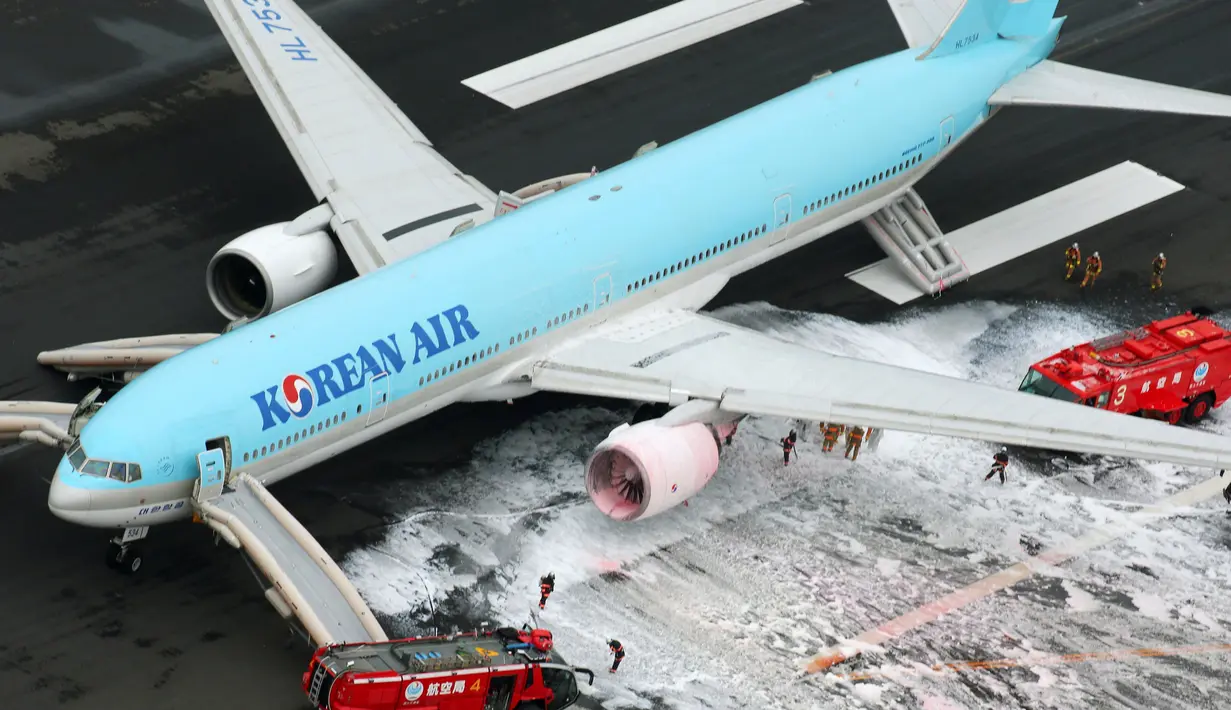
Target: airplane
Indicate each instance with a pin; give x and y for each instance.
(593, 286)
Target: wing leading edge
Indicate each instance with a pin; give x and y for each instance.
(391, 193)
(673, 356)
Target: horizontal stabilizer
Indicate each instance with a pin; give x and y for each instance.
(1051, 83)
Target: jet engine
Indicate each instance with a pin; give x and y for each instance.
(646, 468)
(271, 268)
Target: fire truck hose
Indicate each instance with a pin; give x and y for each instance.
(322, 558)
(261, 556)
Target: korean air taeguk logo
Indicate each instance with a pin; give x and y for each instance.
(297, 392)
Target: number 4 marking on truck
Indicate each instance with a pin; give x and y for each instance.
(474, 687)
(1120, 395)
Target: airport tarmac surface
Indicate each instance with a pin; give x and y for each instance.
(131, 149)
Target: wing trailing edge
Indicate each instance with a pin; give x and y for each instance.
(1050, 83)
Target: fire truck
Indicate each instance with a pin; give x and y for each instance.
(505, 669)
(1176, 370)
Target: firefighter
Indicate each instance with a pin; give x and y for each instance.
(617, 649)
(1159, 264)
(854, 439)
(547, 585)
(1094, 267)
(1072, 260)
(832, 432)
(999, 462)
(1226, 492)
(788, 447)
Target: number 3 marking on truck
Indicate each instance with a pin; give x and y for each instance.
(1120, 395)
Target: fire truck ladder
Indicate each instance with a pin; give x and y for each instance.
(914, 241)
(301, 580)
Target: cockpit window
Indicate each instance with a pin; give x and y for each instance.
(76, 456)
(116, 471)
(94, 467)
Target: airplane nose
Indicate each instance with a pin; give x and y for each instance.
(66, 497)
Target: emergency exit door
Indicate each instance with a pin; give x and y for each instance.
(211, 471)
(379, 402)
(781, 228)
(946, 132)
(602, 291)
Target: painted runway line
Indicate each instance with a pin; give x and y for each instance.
(1008, 577)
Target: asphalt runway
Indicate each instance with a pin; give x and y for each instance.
(131, 149)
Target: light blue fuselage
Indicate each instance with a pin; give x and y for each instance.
(712, 204)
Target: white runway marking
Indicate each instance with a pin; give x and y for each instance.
(627, 44)
(1010, 576)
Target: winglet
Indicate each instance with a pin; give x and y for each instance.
(1051, 83)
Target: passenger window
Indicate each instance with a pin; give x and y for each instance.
(335, 419)
(533, 331)
(297, 436)
(264, 450)
(343, 416)
(279, 444)
(420, 381)
(245, 457)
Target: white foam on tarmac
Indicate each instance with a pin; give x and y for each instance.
(720, 602)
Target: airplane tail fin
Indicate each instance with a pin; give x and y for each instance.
(980, 21)
(1050, 83)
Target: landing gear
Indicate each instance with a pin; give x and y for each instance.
(123, 552)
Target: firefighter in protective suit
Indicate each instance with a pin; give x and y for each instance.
(547, 585)
(831, 432)
(788, 447)
(999, 462)
(1156, 278)
(1094, 267)
(854, 439)
(1072, 260)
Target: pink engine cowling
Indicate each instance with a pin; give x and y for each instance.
(644, 469)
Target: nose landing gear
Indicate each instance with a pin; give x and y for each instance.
(123, 552)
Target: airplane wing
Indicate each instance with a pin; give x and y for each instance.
(922, 21)
(391, 193)
(672, 356)
(1050, 83)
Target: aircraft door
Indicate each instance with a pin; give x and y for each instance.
(210, 466)
(379, 389)
(946, 132)
(602, 291)
(223, 444)
(782, 219)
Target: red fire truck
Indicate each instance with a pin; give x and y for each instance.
(1176, 370)
(505, 669)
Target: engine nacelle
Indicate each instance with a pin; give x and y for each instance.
(269, 269)
(641, 470)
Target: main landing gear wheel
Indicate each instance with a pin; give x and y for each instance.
(126, 558)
